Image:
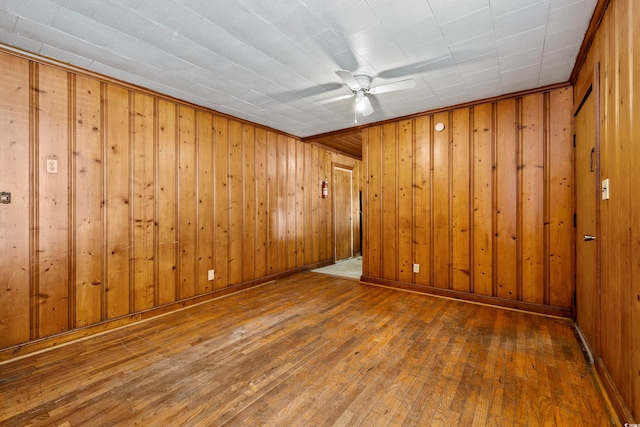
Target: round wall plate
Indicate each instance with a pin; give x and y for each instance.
(439, 127)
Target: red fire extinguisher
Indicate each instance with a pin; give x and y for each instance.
(325, 189)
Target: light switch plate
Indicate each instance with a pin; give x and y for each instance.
(211, 274)
(605, 189)
(416, 268)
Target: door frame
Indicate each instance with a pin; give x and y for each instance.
(592, 88)
(349, 169)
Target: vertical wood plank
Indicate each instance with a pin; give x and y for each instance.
(261, 203)
(389, 250)
(53, 200)
(117, 201)
(326, 209)
(249, 204)
(532, 198)
(290, 214)
(187, 222)
(14, 218)
(281, 151)
(482, 199)
(460, 198)
(235, 202)
(561, 262)
(616, 309)
(87, 202)
(405, 202)
(205, 188)
(273, 245)
(440, 204)
(374, 220)
(634, 183)
(506, 199)
(317, 176)
(309, 255)
(166, 205)
(143, 202)
(300, 195)
(221, 194)
(422, 194)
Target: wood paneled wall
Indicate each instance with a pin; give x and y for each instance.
(484, 207)
(149, 195)
(616, 47)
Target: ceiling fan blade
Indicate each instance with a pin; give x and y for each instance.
(334, 99)
(348, 79)
(392, 87)
(368, 108)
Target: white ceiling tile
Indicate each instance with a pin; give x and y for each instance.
(481, 77)
(7, 20)
(300, 24)
(478, 46)
(271, 10)
(41, 12)
(561, 40)
(397, 15)
(487, 89)
(575, 15)
(503, 7)
(417, 34)
(521, 60)
(349, 17)
(12, 38)
(447, 10)
(519, 42)
(468, 27)
(526, 73)
(481, 63)
(123, 19)
(521, 20)
(85, 29)
(66, 56)
(428, 52)
(86, 8)
(556, 73)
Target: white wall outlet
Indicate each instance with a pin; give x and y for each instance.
(211, 274)
(605, 189)
(416, 268)
(52, 166)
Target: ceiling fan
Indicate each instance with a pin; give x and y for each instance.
(360, 85)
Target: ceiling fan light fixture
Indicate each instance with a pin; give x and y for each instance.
(360, 101)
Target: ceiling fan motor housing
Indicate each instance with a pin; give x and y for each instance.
(364, 80)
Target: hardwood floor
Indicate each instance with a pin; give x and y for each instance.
(313, 350)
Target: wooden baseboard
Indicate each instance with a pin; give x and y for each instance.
(463, 296)
(43, 344)
(612, 394)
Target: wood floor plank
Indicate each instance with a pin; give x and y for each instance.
(313, 350)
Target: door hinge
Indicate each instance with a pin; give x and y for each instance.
(574, 139)
(575, 220)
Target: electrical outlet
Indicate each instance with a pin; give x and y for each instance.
(416, 268)
(211, 274)
(52, 166)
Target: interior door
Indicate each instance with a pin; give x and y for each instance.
(586, 157)
(343, 212)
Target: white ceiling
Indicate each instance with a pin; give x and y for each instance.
(271, 61)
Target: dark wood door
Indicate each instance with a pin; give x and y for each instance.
(587, 297)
